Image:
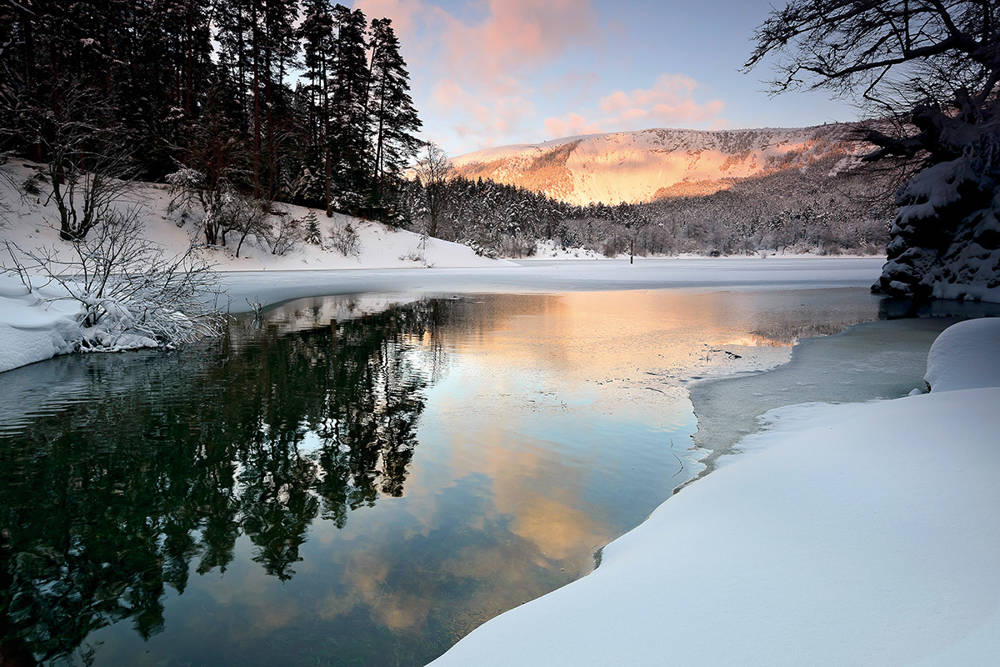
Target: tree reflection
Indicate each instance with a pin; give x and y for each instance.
(172, 458)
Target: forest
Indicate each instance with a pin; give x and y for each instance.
(305, 102)
(237, 104)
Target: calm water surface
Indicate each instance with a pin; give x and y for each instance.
(352, 481)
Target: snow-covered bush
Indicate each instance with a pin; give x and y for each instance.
(131, 294)
(243, 215)
(345, 240)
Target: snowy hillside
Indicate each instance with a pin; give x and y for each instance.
(32, 221)
(651, 164)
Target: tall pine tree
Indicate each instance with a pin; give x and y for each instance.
(392, 118)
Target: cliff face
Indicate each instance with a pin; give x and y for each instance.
(653, 164)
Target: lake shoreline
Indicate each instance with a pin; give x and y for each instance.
(794, 561)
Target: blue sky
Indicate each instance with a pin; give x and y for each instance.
(494, 72)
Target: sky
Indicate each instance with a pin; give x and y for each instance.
(494, 72)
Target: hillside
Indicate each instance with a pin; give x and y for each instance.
(31, 221)
(653, 164)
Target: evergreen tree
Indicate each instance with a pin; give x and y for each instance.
(392, 117)
(316, 33)
(347, 110)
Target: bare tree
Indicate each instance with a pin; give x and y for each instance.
(6, 180)
(245, 216)
(124, 284)
(88, 164)
(929, 64)
(930, 70)
(433, 171)
(283, 233)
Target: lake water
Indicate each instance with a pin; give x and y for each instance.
(359, 479)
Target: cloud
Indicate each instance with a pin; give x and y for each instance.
(478, 120)
(513, 35)
(670, 101)
(402, 12)
(473, 66)
(569, 125)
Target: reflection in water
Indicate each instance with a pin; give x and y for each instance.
(264, 499)
(116, 497)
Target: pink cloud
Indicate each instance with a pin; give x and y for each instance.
(569, 125)
(667, 89)
(402, 12)
(472, 67)
(476, 120)
(514, 34)
(669, 101)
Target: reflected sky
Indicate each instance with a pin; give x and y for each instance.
(360, 480)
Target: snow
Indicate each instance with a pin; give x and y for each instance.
(549, 249)
(32, 326)
(859, 533)
(965, 356)
(32, 222)
(558, 275)
(21, 344)
(43, 322)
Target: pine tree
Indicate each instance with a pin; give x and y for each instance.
(316, 33)
(312, 233)
(392, 118)
(347, 110)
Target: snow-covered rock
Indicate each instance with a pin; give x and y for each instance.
(843, 534)
(965, 356)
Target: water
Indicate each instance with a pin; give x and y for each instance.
(360, 480)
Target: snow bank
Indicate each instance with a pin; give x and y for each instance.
(847, 534)
(32, 326)
(44, 322)
(965, 356)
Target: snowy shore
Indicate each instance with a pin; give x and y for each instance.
(841, 534)
(34, 327)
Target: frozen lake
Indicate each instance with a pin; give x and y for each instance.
(366, 478)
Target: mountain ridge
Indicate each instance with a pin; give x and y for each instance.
(656, 163)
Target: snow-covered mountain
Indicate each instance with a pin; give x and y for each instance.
(653, 164)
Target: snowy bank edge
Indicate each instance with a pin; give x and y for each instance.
(21, 345)
(801, 551)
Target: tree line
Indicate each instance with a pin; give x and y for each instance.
(295, 100)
